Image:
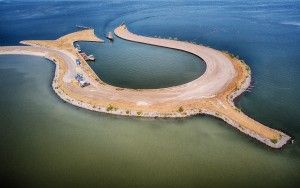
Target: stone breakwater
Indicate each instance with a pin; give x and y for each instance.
(225, 78)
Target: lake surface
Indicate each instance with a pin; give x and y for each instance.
(139, 66)
(45, 142)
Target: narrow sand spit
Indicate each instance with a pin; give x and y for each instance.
(212, 93)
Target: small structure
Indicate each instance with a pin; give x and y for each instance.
(81, 81)
(77, 62)
(110, 36)
(78, 47)
(79, 77)
(91, 58)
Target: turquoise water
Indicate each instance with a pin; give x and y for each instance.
(45, 142)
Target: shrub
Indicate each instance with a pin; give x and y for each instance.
(139, 113)
(237, 109)
(109, 108)
(274, 140)
(180, 109)
(127, 111)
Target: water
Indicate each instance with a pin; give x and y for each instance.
(47, 143)
(139, 66)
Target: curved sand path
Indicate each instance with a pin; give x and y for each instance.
(212, 93)
(218, 74)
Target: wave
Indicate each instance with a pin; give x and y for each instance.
(291, 23)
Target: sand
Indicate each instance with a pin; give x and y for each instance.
(212, 93)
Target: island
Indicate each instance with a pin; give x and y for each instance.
(213, 93)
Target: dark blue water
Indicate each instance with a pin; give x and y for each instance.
(45, 142)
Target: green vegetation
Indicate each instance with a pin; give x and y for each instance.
(180, 109)
(274, 140)
(127, 111)
(248, 68)
(231, 55)
(139, 113)
(111, 107)
(237, 109)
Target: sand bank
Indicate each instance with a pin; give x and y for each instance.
(212, 93)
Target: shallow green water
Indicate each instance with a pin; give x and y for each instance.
(45, 142)
(48, 142)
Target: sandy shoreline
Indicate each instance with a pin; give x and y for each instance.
(224, 79)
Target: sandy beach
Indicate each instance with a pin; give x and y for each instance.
(225, 78)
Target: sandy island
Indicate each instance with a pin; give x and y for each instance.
(225, 78)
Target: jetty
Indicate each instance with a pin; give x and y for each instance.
(225, 78)
(87, 57)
